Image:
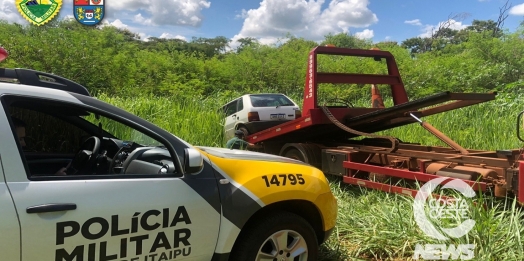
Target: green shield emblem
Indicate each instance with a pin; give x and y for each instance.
(38, 12)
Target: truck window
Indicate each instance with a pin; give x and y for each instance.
(47, 134)
(59, 139)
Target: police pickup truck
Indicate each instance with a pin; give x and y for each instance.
(83, 180)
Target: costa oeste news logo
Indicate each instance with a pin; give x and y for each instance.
(431, 213)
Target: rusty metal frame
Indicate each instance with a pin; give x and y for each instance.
(406, 174)
(388, 187)
(422, 153)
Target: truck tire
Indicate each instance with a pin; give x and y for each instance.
(277, 237)
(306, 152)
(294, 154)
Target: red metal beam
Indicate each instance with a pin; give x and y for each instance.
(520, 193)
(350, 52)
(387, 187)
(406, 174)
(357, 78)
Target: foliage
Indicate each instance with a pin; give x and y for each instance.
(117, 62)
(191, 79)
(372, 224)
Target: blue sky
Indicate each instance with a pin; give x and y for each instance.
(270, 20)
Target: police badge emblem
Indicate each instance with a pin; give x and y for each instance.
(88, 12)
(38, 12)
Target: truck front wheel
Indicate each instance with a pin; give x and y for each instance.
(294, 154)
(282, 236)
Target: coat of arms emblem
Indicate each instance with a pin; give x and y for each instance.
(38, 12)
(88, 12)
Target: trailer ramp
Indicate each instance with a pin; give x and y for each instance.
(368, 120)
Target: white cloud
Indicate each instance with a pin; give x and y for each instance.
(387, 38)
(428, 30)
(163, 12)
(118, 24)
(138, 18)
(242, 15)
(413, 22)
(275, 18)
(517, 10)
(366, 34)
(170, 36)
(9, 13)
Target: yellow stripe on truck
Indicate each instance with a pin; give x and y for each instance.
(275, 182)
(328, 210)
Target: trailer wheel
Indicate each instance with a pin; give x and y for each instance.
(244, 130)
(281, 236)
(295, 154)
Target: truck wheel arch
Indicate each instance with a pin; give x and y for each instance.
(307, 152)
(305, 209)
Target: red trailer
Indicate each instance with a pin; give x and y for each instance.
(325, 135)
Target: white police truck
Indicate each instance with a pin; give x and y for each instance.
(83, 180)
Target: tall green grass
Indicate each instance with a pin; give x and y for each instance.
(373, 225)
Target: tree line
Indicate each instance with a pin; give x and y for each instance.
(113, 61)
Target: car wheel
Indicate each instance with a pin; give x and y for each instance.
(294, 154)
(244, 130)
(283, 236)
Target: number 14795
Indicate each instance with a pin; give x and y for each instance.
(283, 179)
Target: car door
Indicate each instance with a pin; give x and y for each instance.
(10, 236)
(231, 118)
(114, 217)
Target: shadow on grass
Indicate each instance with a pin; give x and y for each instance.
(328, 253)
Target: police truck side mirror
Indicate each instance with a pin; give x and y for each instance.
(193, 161)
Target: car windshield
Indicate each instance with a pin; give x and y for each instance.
(270, 100)
(121, 131)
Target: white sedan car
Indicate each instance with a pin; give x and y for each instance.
(255, 112)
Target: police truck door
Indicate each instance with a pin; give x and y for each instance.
(108, 216)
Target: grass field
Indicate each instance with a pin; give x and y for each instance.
(373, 225)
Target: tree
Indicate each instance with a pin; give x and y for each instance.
(417, 44)
(345, 40)
(481, 26)
(503, 14)
(439, 37)
(209, 46)
(247, 42)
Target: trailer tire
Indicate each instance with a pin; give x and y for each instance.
(244, 130)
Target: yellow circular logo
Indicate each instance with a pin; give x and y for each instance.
(38, 12)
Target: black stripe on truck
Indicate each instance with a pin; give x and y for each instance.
(237, 205)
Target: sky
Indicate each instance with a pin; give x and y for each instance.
(271, 20)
